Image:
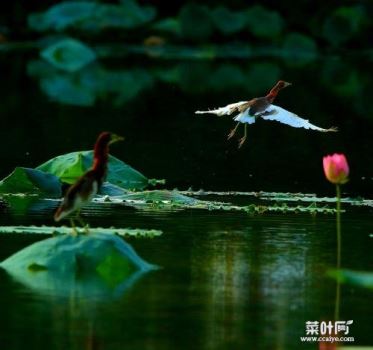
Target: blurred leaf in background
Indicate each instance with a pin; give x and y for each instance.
(299, 49)
(91, 16)
(227, 21)
(264, 23)
(195, 22)
(84, 87)
(343, 24)
(68, 54)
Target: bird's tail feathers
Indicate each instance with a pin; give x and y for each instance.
(62, 211)
(217, 112)
(332, 129)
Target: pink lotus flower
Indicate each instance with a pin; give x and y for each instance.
(336, 168)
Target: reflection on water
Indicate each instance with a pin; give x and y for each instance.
(228, 281)
(245, 270)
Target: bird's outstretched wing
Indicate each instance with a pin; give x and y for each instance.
(227, 110)
(283, 116)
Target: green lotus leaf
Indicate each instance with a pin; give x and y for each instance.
(343, 24)
(264, 23)
(69, 167)
(162, 197)
(62, 16)
(228, 22)
(91, 16)
(64, 230)
(195, 22)
(299, 49)
(31, 181)
(68, 54)
(92, 82)
(89, 265)
(168, 25)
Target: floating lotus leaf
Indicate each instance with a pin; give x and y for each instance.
(69, 167)
(31, 181)
(87, 265)
(63, 230)
(174, 200)
(161, 196)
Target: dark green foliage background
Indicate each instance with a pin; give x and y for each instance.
(199, 55)
(342, 24)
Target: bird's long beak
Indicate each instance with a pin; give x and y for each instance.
(287, 84)
(115, 138)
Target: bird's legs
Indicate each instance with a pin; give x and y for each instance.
(82, 223)
(74, 230)
(233, 131)
(243, 139)
(85, 226)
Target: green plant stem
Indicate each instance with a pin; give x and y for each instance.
(338, 226)
(339, 244)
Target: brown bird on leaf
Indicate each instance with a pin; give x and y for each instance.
(88, 185)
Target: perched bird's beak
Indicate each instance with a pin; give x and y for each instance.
(287, 84)
(115, 138)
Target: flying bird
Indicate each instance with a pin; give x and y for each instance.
(262, 107)
(88, 185)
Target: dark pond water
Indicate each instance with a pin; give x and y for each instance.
(229, 280)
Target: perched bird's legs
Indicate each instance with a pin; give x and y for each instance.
(243, 139)
(82, 223)
(74, 230)
(233, 131)
(78, 218)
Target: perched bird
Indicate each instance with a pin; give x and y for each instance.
(88, 184)
(262, 107)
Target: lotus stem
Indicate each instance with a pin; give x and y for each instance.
(339, 245)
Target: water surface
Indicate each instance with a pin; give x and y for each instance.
(228, 280)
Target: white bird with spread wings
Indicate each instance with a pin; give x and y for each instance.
(262, 107)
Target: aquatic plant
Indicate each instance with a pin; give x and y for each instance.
(69, 167)
(91, 16)
(336, 170)
(68, 54)
(99, 264)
